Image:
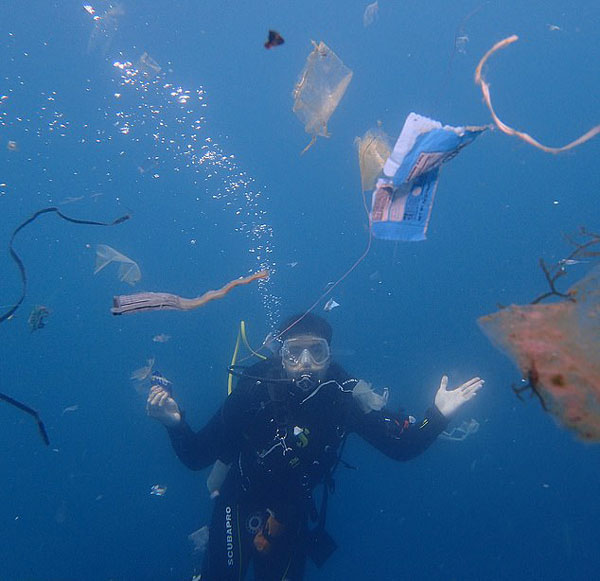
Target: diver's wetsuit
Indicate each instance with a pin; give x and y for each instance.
(279, 451)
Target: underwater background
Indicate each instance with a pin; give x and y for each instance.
(204, 156)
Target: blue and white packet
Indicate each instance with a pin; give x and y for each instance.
(157, 378)
(404, 194)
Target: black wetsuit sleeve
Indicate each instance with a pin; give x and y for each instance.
(395, 436)
(200, 449)
(220, 438)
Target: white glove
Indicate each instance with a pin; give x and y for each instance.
(448, 401)
(162, 407)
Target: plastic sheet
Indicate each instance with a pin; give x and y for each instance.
(462, 432)
(367, 399)
(217, 477)
(129, 271)
(322, 84)
(373, 150)
(199, 539)
(371, 13)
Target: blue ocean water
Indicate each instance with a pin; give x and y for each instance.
(204, 156)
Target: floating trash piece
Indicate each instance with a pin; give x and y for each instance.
(12, 145)
(371, 13)
(485, 90)
(571, 262)
(373, 150)
(11, 311)
(105, 29)
(217, 477)
(70, 200)
(91, 11)
(199, 539)
(158, 490)
(157, 378)
(292, 264)
(460, 44)
(330, 304)
(37, 317)
(556, 346)
(162, 338)
(25, 408)
(367, 399)
(553, 27)
(148, 65)
(462, 432)
(71, 408)
(275, 39)
(129, 271)
(403, 198)
(143, 372)
(139, 302)
(322, 84)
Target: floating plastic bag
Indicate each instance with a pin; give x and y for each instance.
(403, 198)
(322, 84)
(144, 372)
(199, 539)
(373, 150)
(557, 348)
(371, 14)
(217, 477)
(129, 271)
(462, 432)
(367, 399)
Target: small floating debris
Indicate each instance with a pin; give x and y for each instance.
(143, 372)
(275, 39)
(37, 317)
(158, 490)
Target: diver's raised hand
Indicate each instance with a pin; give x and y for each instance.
(162, 407)
(448, 401)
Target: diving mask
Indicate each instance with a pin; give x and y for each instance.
(305, 359)
(305, 352)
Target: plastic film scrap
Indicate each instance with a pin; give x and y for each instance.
(317, 93)
(129, 271)
(373, 150)
(556, 346)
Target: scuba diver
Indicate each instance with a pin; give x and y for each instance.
(281, 431)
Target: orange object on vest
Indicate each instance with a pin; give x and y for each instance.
(272, 529)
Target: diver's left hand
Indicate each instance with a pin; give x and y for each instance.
(448, 401)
